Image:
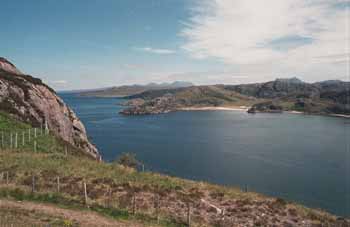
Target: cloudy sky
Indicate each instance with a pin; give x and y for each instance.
(77, 44)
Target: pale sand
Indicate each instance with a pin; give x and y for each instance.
(340, 115)
(294, 112)
(245, 108)
(235, 108)
(331, 115)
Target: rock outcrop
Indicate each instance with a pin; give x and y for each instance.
(30, 100)
(8, 66)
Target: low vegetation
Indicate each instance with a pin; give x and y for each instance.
(142, 198)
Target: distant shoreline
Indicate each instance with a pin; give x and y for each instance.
(245, 108)
(235, 108)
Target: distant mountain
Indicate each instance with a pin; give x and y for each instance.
(327, 97)
(128, 90)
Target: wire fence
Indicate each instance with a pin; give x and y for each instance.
(33, 139)
(119, 198)
(22, 139)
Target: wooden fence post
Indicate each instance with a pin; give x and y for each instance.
(23, 138)
(2, 139)
(7, 177)
(29, 139)
(157, 206)
(134, 204)
(58, 184)
(11, 140)
(35, 145)
(16, 140)
(188, 214)
(109, 198)
(85, 194)
(33, 183)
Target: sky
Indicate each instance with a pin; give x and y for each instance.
(84, 44)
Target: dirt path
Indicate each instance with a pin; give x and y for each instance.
(83, 218)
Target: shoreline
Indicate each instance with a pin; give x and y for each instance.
(246, 108)
(235, 108)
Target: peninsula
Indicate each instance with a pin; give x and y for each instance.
(326, 97)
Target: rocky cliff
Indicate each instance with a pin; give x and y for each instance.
(30, 100)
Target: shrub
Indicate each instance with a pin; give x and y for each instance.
(128, 160)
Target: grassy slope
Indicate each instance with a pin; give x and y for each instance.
(21, 217)
(213, 96)
(174, 193)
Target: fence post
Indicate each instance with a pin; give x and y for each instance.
(23, 138)
(46, 128)
(85, 194)
(134, 204)
(29, 139)
(188, 214)
(2, 139)
(58, 184)
(33, 183)
(157, 206)
(109, 198)
(16, 140)
(34, 132)
(35, 145)
(11, 140)
(7, 177)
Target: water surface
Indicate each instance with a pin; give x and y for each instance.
(297, 157)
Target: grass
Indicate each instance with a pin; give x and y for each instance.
(45, 142)
(73, 169)
(20, 217)
(73, 204)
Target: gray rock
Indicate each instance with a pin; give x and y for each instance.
(30, 100)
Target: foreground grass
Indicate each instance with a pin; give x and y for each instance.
(10, 216)
(112, 190)
(100, 177)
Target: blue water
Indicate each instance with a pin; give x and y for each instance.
(297, 157)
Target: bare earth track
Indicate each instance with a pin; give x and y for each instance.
(79, 218)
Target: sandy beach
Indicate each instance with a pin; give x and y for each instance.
(233, 108)
(245, 108)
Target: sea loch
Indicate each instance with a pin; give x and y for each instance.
(298, 157)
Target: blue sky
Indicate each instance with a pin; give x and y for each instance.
(75, 44)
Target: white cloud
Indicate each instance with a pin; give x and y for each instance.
(258, 36)
(155, 50)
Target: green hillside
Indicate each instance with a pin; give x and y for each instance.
(127, 195)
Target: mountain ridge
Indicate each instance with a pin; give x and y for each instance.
(127, 90)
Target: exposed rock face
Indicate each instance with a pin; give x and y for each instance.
(34, 102)
(8, 66)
